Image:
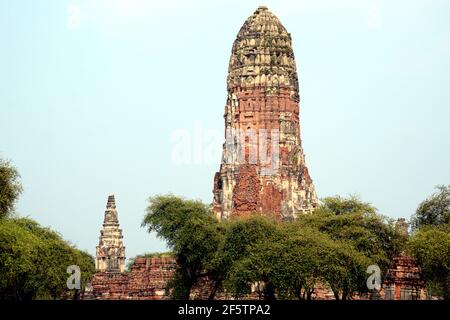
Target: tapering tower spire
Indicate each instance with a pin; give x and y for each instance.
(110, 253)
(263, 169)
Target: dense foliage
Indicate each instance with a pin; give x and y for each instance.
(434, 211)
(430, 242)
(332, 247)
(34, 261)
(191, 232)
(10, 188)
(431, 247)
(290, 264)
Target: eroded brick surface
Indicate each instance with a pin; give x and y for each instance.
(263, 106)
(146, 281)
(404, 280)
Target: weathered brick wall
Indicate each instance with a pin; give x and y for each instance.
(404, 280)
(146, 281)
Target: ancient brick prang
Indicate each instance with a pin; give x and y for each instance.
(110, 252)
(263, 167)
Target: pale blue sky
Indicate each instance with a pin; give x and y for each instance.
(88, 106)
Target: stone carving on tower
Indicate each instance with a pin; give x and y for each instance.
(263, 167)
(110, 252)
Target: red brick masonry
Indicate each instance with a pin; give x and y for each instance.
(146, 281)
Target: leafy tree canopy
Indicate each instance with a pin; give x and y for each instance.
(192, 233)
(290, 265)
(431, 247)
(34, 261)
(430, 242)
(333, 245)
(360, 224)
(10, 187)
(434, 211)
(340, 205)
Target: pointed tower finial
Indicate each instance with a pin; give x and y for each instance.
(111, 202)
(111, 216)
(110, 252)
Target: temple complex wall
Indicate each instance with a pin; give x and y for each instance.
(148, 278)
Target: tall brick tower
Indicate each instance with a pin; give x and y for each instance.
(263, 168)
(110, 252)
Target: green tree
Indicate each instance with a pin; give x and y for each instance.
(55, 255)
(344, 269)
(340, 205)
(431, 247)
(239, 240)
(291, 262)
(10, 187)
(336, 261)
(192, 233)
(433, 211)
(369, 232)
(17, 262)
(34, 260)
(430, 241)
(333, 246)
(365, 236)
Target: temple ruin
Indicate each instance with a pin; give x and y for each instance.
(263, 167)
(263, 170)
